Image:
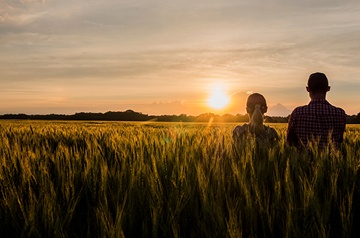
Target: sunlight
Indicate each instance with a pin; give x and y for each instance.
(218, 98)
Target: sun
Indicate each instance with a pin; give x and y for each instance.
(218, 98)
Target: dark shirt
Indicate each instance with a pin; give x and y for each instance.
(268, 137)
(317, 120)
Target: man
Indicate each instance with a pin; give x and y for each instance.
(319, 120)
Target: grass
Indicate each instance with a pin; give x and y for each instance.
(94, 179)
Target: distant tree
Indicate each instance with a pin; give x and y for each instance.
(130, 115)
(207, 117)
(353, 119)
(228, 118)
(241, 118)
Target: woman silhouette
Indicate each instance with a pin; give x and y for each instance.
(256, 108)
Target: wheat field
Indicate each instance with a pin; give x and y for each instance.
(117, 179)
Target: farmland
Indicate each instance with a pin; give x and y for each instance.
(149, 179)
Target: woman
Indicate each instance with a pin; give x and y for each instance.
(264, 135)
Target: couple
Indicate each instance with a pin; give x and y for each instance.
(318, 120)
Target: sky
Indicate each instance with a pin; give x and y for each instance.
(170, 56)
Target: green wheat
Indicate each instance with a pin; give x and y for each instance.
(115, 179)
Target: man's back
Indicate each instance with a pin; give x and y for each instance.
(316, 120)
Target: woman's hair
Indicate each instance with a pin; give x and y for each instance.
(256, 107)
(257, 120)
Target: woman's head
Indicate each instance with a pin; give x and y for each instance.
(256, 99)
(256, 107)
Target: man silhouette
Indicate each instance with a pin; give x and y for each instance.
(319, 120)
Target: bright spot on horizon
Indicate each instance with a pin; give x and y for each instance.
(218, 98)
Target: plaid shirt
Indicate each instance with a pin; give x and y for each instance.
(264, 139)
(316, 120)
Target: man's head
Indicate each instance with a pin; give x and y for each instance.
(256, 99)
(318, 84)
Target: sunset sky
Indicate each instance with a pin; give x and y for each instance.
(170, 56)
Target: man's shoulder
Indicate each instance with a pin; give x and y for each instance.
(306, 108)
(300, 109)
(340, 110)
(337, 110)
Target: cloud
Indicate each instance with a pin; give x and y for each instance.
(237, 103)
(278, 110)
(20, 13)
(168, 50)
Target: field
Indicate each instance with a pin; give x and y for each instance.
(117, 179)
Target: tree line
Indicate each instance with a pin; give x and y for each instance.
(130, 115)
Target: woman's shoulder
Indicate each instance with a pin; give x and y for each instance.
(240, 132)
(241, 129)
(271, 131)
(268, 128)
